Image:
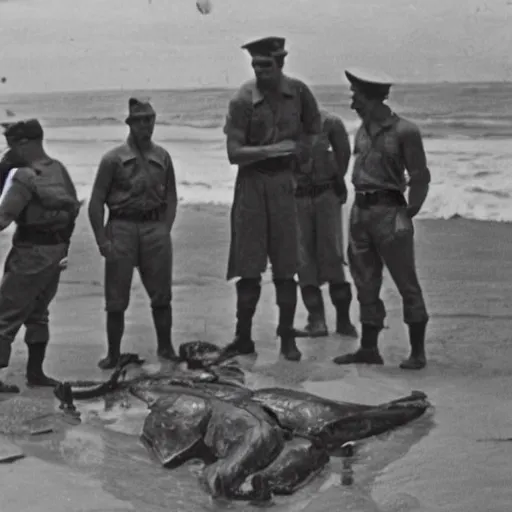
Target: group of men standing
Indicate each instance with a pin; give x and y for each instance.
(136, 182)
(292, 158)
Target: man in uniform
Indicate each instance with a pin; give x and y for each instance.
(381, 228)
(41, 199)
(136, 181)
(321, 191)
(269, 123)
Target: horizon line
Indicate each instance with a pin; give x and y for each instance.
(224, 88)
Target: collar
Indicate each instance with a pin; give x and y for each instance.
(383, 117)
(285, 89)
(129, 152)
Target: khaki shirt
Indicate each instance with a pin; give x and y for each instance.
(383, 157)
(252, 118)
(136, 182)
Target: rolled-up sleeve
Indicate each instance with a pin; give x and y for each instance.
(104, 177)
(311, 118)
(414, 156)
(237, 120)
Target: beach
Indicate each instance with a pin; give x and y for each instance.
(438, 463)
(455, 458)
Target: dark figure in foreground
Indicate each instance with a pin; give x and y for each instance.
(41, 199)
(321, 192)
(381, 227)
(254, 443)
(136, 182)
(266, 119)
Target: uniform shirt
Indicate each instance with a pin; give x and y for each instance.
(383, 157)
(15, 198)
(254, 119)
(134, 182)
(323, 167)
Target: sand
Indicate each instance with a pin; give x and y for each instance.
(466, 272)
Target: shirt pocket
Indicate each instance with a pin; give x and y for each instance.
(157, 178)
(125, 174)
(290, 120)
(260, 127)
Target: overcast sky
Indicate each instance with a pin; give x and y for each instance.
(102, 44)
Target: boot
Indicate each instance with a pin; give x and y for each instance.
(35, 374)
(248, 294)
(368, 352)
(341, 297)
(115, 330)
(162, 319)
(417, 358)
(5, 387)
(316, 326)
(242, 344)
(289, 348)
(286, 298)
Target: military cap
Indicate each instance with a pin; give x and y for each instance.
(266, 47)
(368, 77)
(369, 81)
(30, 129)
(139, 107)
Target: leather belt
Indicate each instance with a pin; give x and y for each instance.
(281, 163)
(137, 216)
(27, 234)
(312, 190)
(389, 197)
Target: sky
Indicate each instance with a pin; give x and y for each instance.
(65, 45)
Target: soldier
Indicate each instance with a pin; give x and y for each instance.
(321, 191)
(267, 117)
(136, 182)
(381, 226)
(41, 199)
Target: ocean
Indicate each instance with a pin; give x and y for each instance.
(467, 130)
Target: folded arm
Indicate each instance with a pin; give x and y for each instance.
(236, 128)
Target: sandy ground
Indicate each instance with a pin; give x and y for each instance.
(466, 271)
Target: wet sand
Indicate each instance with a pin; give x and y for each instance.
(466, 272)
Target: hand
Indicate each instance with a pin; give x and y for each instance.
(106, 249)
(340, 189)
(284, 148)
